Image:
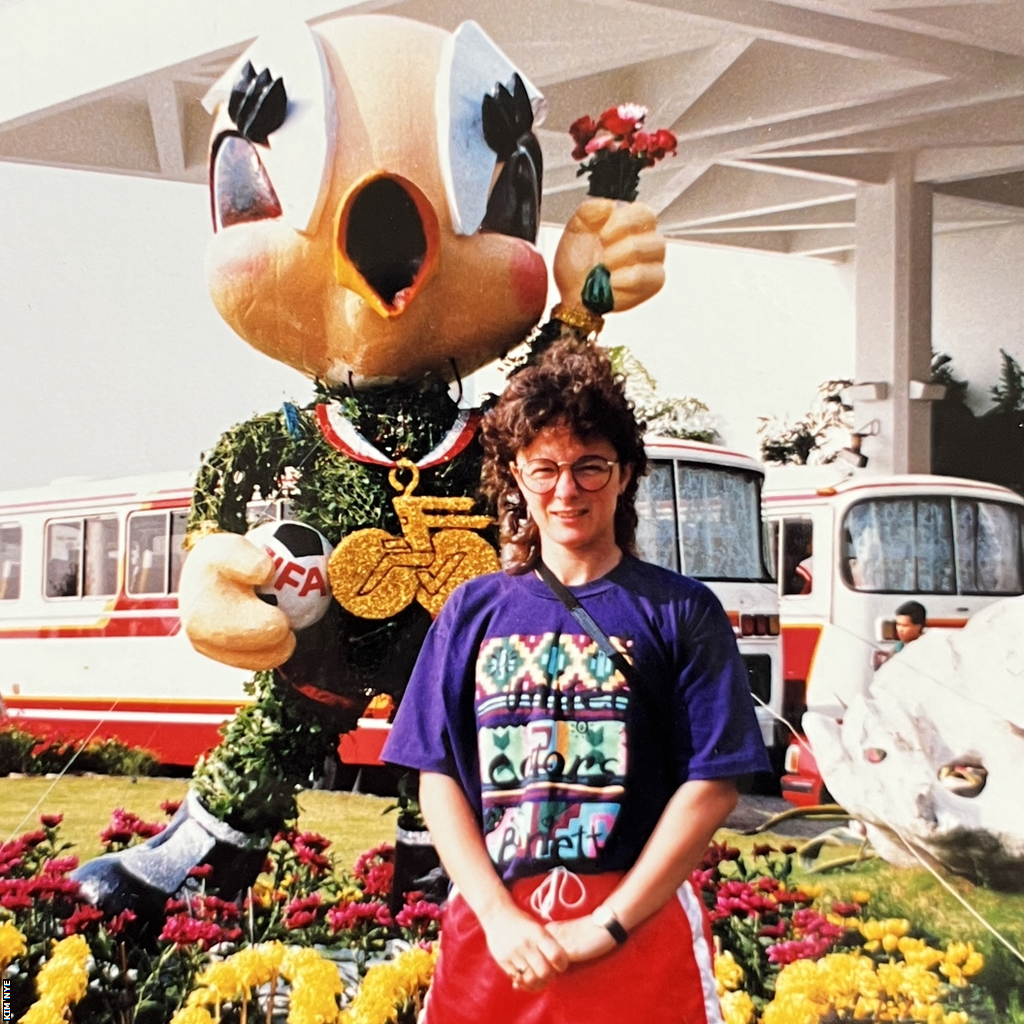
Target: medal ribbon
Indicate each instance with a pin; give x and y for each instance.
(339, 431)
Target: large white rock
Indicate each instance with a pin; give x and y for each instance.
(930, 756)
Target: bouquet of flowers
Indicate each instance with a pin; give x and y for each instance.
(616, 149)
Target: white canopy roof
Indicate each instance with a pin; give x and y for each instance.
(781, 106)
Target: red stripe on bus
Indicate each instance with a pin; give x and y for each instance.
(798, 646)
(162, 625)
(45, 702)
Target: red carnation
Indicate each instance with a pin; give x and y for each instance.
(623, 120)
(82, 917)
(582, 130)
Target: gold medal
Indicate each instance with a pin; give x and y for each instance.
(375, 575)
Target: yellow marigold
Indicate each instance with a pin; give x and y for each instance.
(12, 944)
(961, 961)
(884, 934)
(737, 1008)
(193, 1015)
(392, 985)
(728, 973)
(814, 891)
(221, 980)
(252, 967)
(956, 1017)
(43, 1012)
(263, 893)
(64, 978)
(315, 986)
(917, 951)
(860, 896)
(297, 957)
(350, 894)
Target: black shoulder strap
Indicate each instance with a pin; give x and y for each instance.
(582, 616)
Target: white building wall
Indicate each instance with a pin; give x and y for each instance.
(978, 304)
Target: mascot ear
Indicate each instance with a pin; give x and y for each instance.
(472, 67)
(275, 96)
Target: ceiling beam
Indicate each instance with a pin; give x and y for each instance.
(852, 37)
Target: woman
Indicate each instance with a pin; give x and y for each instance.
(570, 796)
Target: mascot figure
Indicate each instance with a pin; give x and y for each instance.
(375, 192)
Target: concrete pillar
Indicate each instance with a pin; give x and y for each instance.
(894, 320)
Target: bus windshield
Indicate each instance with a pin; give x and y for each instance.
(701, 520)
(933, 545)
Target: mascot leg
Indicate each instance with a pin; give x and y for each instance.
(242, 794)
(142, 878)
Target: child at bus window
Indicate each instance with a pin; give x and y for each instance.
(910, 619)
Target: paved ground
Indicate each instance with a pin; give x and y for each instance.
(752, 811)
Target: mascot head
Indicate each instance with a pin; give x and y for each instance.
(375, 192)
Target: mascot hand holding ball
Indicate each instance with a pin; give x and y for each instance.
(375, 191)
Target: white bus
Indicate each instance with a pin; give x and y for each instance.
(91, 643)
(850, 550)
(700, 514)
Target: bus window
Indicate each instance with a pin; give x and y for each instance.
(899, 546)
(147, 553)
(656, 511)
(179, 522)
(988, 548)
(156, 552)
(797, 566)
(719, 523)
(63, 559)
(10, 563)
(100, 555)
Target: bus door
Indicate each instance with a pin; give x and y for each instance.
(801, 543)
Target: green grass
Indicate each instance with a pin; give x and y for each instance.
(353, 822)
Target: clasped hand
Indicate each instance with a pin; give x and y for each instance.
(532, 953)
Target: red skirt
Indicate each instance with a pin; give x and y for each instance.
(662, 975)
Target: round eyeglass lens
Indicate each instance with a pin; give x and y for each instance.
(590, 473)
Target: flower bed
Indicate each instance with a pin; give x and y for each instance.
(308, 944)
(313, 945)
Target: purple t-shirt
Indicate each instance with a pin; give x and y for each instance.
(563, 760)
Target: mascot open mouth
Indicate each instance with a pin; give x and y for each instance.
(963, 779)
(386, 242)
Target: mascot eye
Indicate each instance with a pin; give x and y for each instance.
(240, 189)
(514, 204)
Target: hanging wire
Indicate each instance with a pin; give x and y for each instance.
(909, 843)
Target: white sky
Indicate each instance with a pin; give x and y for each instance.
(115, 361)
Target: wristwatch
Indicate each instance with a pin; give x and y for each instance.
(604, 917)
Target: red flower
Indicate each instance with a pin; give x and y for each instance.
(302, 912)
(83, 916)
(417, 915)
(582, 130)
(33, 839)
(170, 807)
(51, 820)
(60, 865)
(125, 826)
(846, 909)
(201, 871)
(623, 120)
(117, 924)
(16, 894)
(351, 916)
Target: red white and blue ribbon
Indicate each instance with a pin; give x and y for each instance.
(340, 433)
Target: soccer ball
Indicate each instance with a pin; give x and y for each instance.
(299, 587)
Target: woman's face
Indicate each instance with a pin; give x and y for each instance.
(568, 516)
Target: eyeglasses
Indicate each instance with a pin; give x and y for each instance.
(591, 473)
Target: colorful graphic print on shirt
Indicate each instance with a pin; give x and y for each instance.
(551, 726)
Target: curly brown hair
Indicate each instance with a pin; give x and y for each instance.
(572, 384)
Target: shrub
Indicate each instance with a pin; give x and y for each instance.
(25, 753)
